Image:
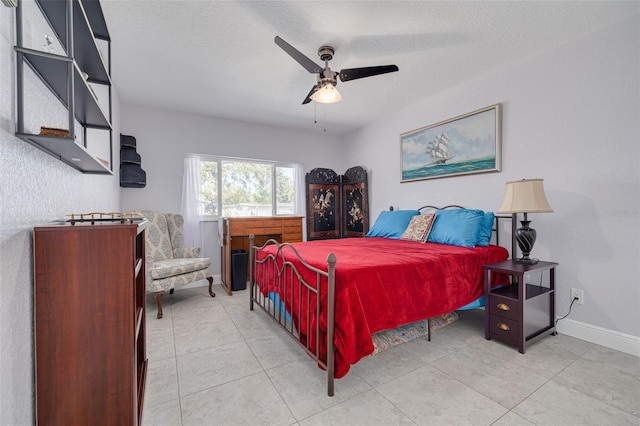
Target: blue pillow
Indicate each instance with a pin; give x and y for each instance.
(485, 229)
(275, 298)
(456, 227)
(391, 224)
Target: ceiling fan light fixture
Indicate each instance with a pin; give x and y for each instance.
(324, 91)
(327, 94)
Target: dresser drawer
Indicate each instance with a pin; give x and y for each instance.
(273, 223)
(253, 223)
(504, 307)
(294, 221)
(236, 227)
(289, 228)
(292, 237)
(266, 230)
(504, 329)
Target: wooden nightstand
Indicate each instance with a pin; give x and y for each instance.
(522, 312)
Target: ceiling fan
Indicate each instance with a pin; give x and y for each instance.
(325, 89)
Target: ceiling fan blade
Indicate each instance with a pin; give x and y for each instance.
(313, 90)
(355, 73)
(307, 63)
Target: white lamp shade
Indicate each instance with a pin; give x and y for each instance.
(524, 196)
(327, 94)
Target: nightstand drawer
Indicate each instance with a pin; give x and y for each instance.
(503, 329)
(504, 307)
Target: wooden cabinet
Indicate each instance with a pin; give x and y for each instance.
(235, 231)
(89, 318)
(522, 312)
(73, 76)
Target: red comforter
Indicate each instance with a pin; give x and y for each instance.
(383, 283)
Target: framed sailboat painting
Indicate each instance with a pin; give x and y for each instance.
(463, 145)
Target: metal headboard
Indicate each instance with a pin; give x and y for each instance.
(452, 206)
(496, 224)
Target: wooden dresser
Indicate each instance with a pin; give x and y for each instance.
(89, 316)
(235, 233)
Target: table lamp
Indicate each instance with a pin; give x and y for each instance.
(525, 196)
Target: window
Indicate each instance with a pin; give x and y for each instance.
(233, 187)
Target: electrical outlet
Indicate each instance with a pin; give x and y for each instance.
(577, 293)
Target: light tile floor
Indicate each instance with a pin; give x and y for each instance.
(214, 362)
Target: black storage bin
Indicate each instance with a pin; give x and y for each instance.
(238, 270)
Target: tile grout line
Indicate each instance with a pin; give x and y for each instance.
(175, 357)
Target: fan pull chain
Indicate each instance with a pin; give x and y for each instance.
(324, 112)
(315, 115)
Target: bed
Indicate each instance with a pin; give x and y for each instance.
(344, 291)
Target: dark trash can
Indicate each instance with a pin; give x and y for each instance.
(239, 260)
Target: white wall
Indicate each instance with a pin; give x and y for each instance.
(164, 137)
(571, 116)
(35, 188)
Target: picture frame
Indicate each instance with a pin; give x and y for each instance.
(463, 145)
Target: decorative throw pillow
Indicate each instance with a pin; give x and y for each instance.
(391, 224)
(419, 228)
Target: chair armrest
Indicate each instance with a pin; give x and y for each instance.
(186, 252)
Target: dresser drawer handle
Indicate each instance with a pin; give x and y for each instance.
(503, 326)
(503, 307)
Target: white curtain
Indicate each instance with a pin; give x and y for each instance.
(299, 204)
(191, 201)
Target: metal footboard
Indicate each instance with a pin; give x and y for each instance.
(287, 280)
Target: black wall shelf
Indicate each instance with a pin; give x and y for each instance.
(77, 26)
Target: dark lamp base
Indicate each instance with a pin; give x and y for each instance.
(527, 261)
(526, 238)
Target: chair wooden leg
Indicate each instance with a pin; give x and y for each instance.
(429, 329)
(210, 279)
(159, 295)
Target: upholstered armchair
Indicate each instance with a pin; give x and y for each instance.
(169, 264)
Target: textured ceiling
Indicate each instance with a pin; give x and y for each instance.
(218, 58)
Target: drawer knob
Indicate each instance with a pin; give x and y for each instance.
(503, 307)
(503, 326)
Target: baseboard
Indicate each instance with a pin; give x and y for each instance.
(601, 336)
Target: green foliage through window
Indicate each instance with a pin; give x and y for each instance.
(247, 187)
